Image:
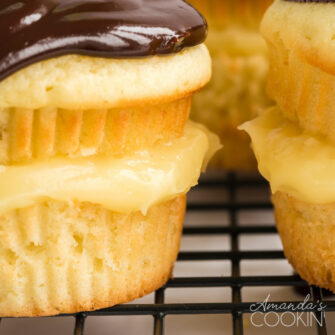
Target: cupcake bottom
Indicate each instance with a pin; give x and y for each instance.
(308, 236)
(59, 257)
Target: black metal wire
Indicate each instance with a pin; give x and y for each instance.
(237, 308)
(196, 308)
(79, 324)
(235, 281)
(230, 206)
(321, 321)
(235, 264)
(229, 255)
(159, 317)
(256, 229)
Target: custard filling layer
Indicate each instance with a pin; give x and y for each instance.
(123, 185)
(292, 160)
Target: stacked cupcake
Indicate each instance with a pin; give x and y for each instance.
(294, 142)
(236, 92)
(97, 153)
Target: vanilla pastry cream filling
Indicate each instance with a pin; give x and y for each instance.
(292, 160)
(123, 185)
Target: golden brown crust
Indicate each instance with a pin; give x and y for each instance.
(29, 134)
(308, 235)
(69, 257)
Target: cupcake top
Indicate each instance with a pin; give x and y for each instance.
(41, 29)
(306, 28)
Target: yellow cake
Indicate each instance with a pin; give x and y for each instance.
(60, 257)
(300, 167)
(96, 150)
(294, 141)
(83, 190)
(236, 92)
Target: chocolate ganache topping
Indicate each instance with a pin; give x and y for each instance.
(33, 30)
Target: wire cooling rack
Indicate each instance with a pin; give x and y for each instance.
(231, 184)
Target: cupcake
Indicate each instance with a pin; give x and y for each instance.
(96, 149)
(294, 141)
(236, 92)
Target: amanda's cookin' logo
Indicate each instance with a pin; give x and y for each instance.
(303, 314)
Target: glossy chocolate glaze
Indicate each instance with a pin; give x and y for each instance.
(33, 30)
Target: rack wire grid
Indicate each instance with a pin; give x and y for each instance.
(236, 282)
